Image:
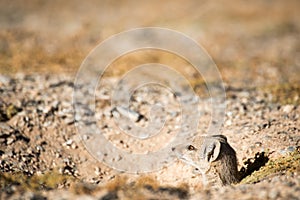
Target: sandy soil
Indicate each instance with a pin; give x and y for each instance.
(42, 154)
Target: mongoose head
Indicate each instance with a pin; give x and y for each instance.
(214, 152)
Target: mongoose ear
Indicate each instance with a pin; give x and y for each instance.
(213, 151)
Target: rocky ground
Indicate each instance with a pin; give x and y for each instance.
(255, 46)
(43, 155)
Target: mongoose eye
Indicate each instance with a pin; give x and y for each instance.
(191, 148)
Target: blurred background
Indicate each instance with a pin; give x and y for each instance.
(253, 43)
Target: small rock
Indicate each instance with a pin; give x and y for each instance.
(9, 141)
(46, 109)
(282, 151)
(273, 194)
(228, 122)
(73, 146)
(39, 148)
(134, 116)
(57, 155)
(258, 144)
(85, 137)
(287, 108)
(68, 142)
(4, 80)
(229, 114)
(291, 149)
(257, 128)
(97, 171)
(262, 194)
(69, 120)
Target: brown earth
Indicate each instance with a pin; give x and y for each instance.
(255, 45)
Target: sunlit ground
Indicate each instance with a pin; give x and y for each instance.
(253, 43)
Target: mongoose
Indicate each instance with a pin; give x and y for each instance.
(212, 154)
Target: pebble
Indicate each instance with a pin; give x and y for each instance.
(73, 146)
(229, 114)
(273, 194)
(262, 194)
(4, 80)
(68, 142)
(228, 123)
(9, 141)
(291, 149)
(69, 120)
(134, 116)
(287, 108)
(258, 144)
(97, 171)
(58, 155)
(85, 137)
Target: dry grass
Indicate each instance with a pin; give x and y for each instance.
(286, 164)
(49, 180)
(23, 51)
(257, 41)
(144, 187)
(287, 93)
